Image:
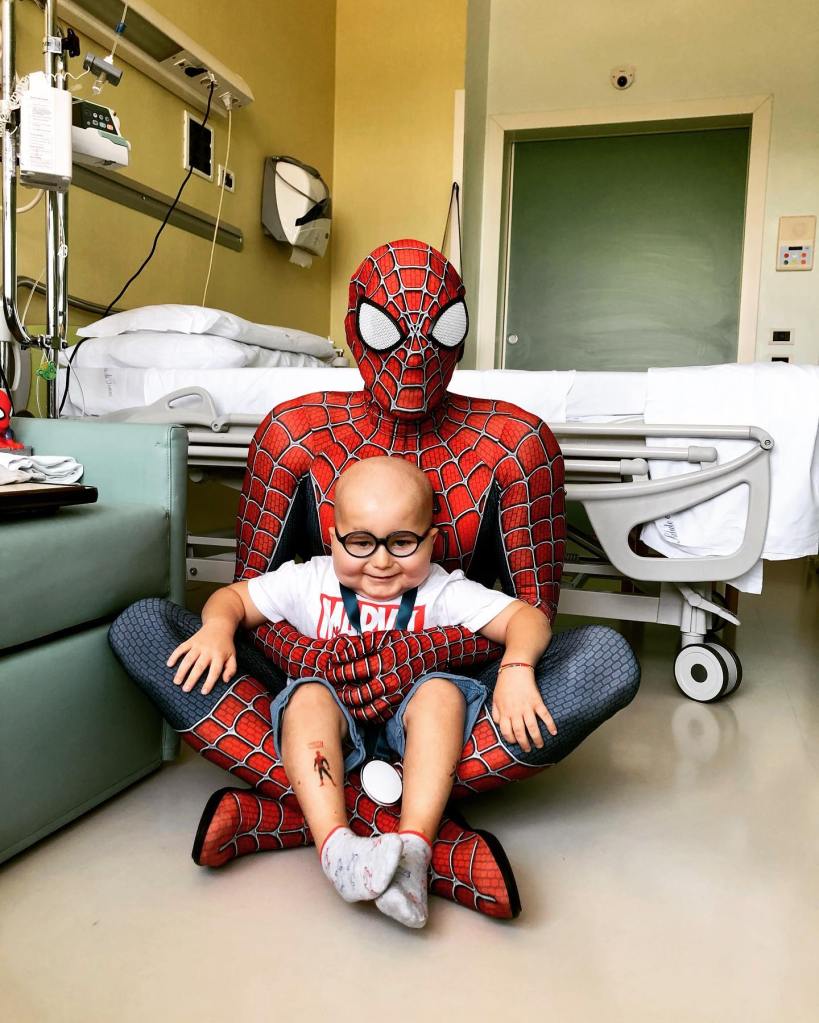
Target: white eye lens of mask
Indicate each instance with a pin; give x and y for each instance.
(450, 327)
(376, 329)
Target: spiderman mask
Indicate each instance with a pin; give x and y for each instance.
(406, 325)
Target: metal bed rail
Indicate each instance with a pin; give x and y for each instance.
(607, 467)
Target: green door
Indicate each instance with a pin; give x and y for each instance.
(626, 251)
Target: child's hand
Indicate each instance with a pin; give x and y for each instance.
(211, 649)
(516, 706)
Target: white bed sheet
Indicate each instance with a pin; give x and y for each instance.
(606, 397)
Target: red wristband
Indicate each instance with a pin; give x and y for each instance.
(515, 664)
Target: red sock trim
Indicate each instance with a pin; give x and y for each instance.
(418, 834)
(328, 836)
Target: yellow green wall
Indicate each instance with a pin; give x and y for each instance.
(362, 89)
(398, 66)
(285, 51)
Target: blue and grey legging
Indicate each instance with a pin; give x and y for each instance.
(586, 675)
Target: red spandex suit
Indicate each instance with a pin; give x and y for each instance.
(497, 474)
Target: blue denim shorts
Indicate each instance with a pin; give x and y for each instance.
(391, 736)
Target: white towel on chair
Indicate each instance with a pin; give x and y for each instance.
(13, 476)
(779, 398)
(43, 468)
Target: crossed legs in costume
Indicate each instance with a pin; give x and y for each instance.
(231, 727)
(585, 676)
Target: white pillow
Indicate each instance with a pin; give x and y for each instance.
(264, 358)
(283, 339)
(145, 349)
(194, 319)
(180, 319)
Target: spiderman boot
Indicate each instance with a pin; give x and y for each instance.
(468, 867)
(231, 727)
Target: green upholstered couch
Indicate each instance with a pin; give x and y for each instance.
(74, 729)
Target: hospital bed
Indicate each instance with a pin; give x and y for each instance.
(610, 453)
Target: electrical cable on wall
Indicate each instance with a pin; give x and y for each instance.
(34, 287)
(219, 209)
(30, 205)
(454, 199)
(144, 263)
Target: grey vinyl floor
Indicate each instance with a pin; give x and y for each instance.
(669, 871)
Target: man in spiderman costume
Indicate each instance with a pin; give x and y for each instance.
(497, 473)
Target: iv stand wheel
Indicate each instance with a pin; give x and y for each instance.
(706, 671)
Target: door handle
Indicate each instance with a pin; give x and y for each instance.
(512, 339)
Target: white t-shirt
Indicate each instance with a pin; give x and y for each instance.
(308, 596)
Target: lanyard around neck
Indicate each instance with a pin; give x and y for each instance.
(402, 619)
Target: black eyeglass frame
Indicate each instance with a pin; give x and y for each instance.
(383, 541)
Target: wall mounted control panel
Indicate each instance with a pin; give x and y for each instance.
(795, 245)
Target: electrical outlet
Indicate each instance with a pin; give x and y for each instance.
(226, 174)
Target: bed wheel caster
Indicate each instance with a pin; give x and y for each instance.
(707, 671)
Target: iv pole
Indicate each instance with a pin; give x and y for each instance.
(56, 238)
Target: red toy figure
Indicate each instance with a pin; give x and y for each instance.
(7, 442)
(497, 473)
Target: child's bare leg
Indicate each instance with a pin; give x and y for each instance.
(312, 731)
(434, 723)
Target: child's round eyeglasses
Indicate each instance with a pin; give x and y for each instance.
(400, 544)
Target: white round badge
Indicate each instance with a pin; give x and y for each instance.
(381, 782)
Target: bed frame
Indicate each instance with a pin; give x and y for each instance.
(608, 573)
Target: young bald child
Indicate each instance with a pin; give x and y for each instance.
(379, 576)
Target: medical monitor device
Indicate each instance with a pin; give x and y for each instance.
(96, 138)
(296, 207)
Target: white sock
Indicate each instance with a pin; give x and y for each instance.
(359, 868)
(406, 898)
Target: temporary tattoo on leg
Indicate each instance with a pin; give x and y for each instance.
(322, 766)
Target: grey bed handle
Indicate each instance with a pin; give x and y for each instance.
(164, 410)
(614, 509)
